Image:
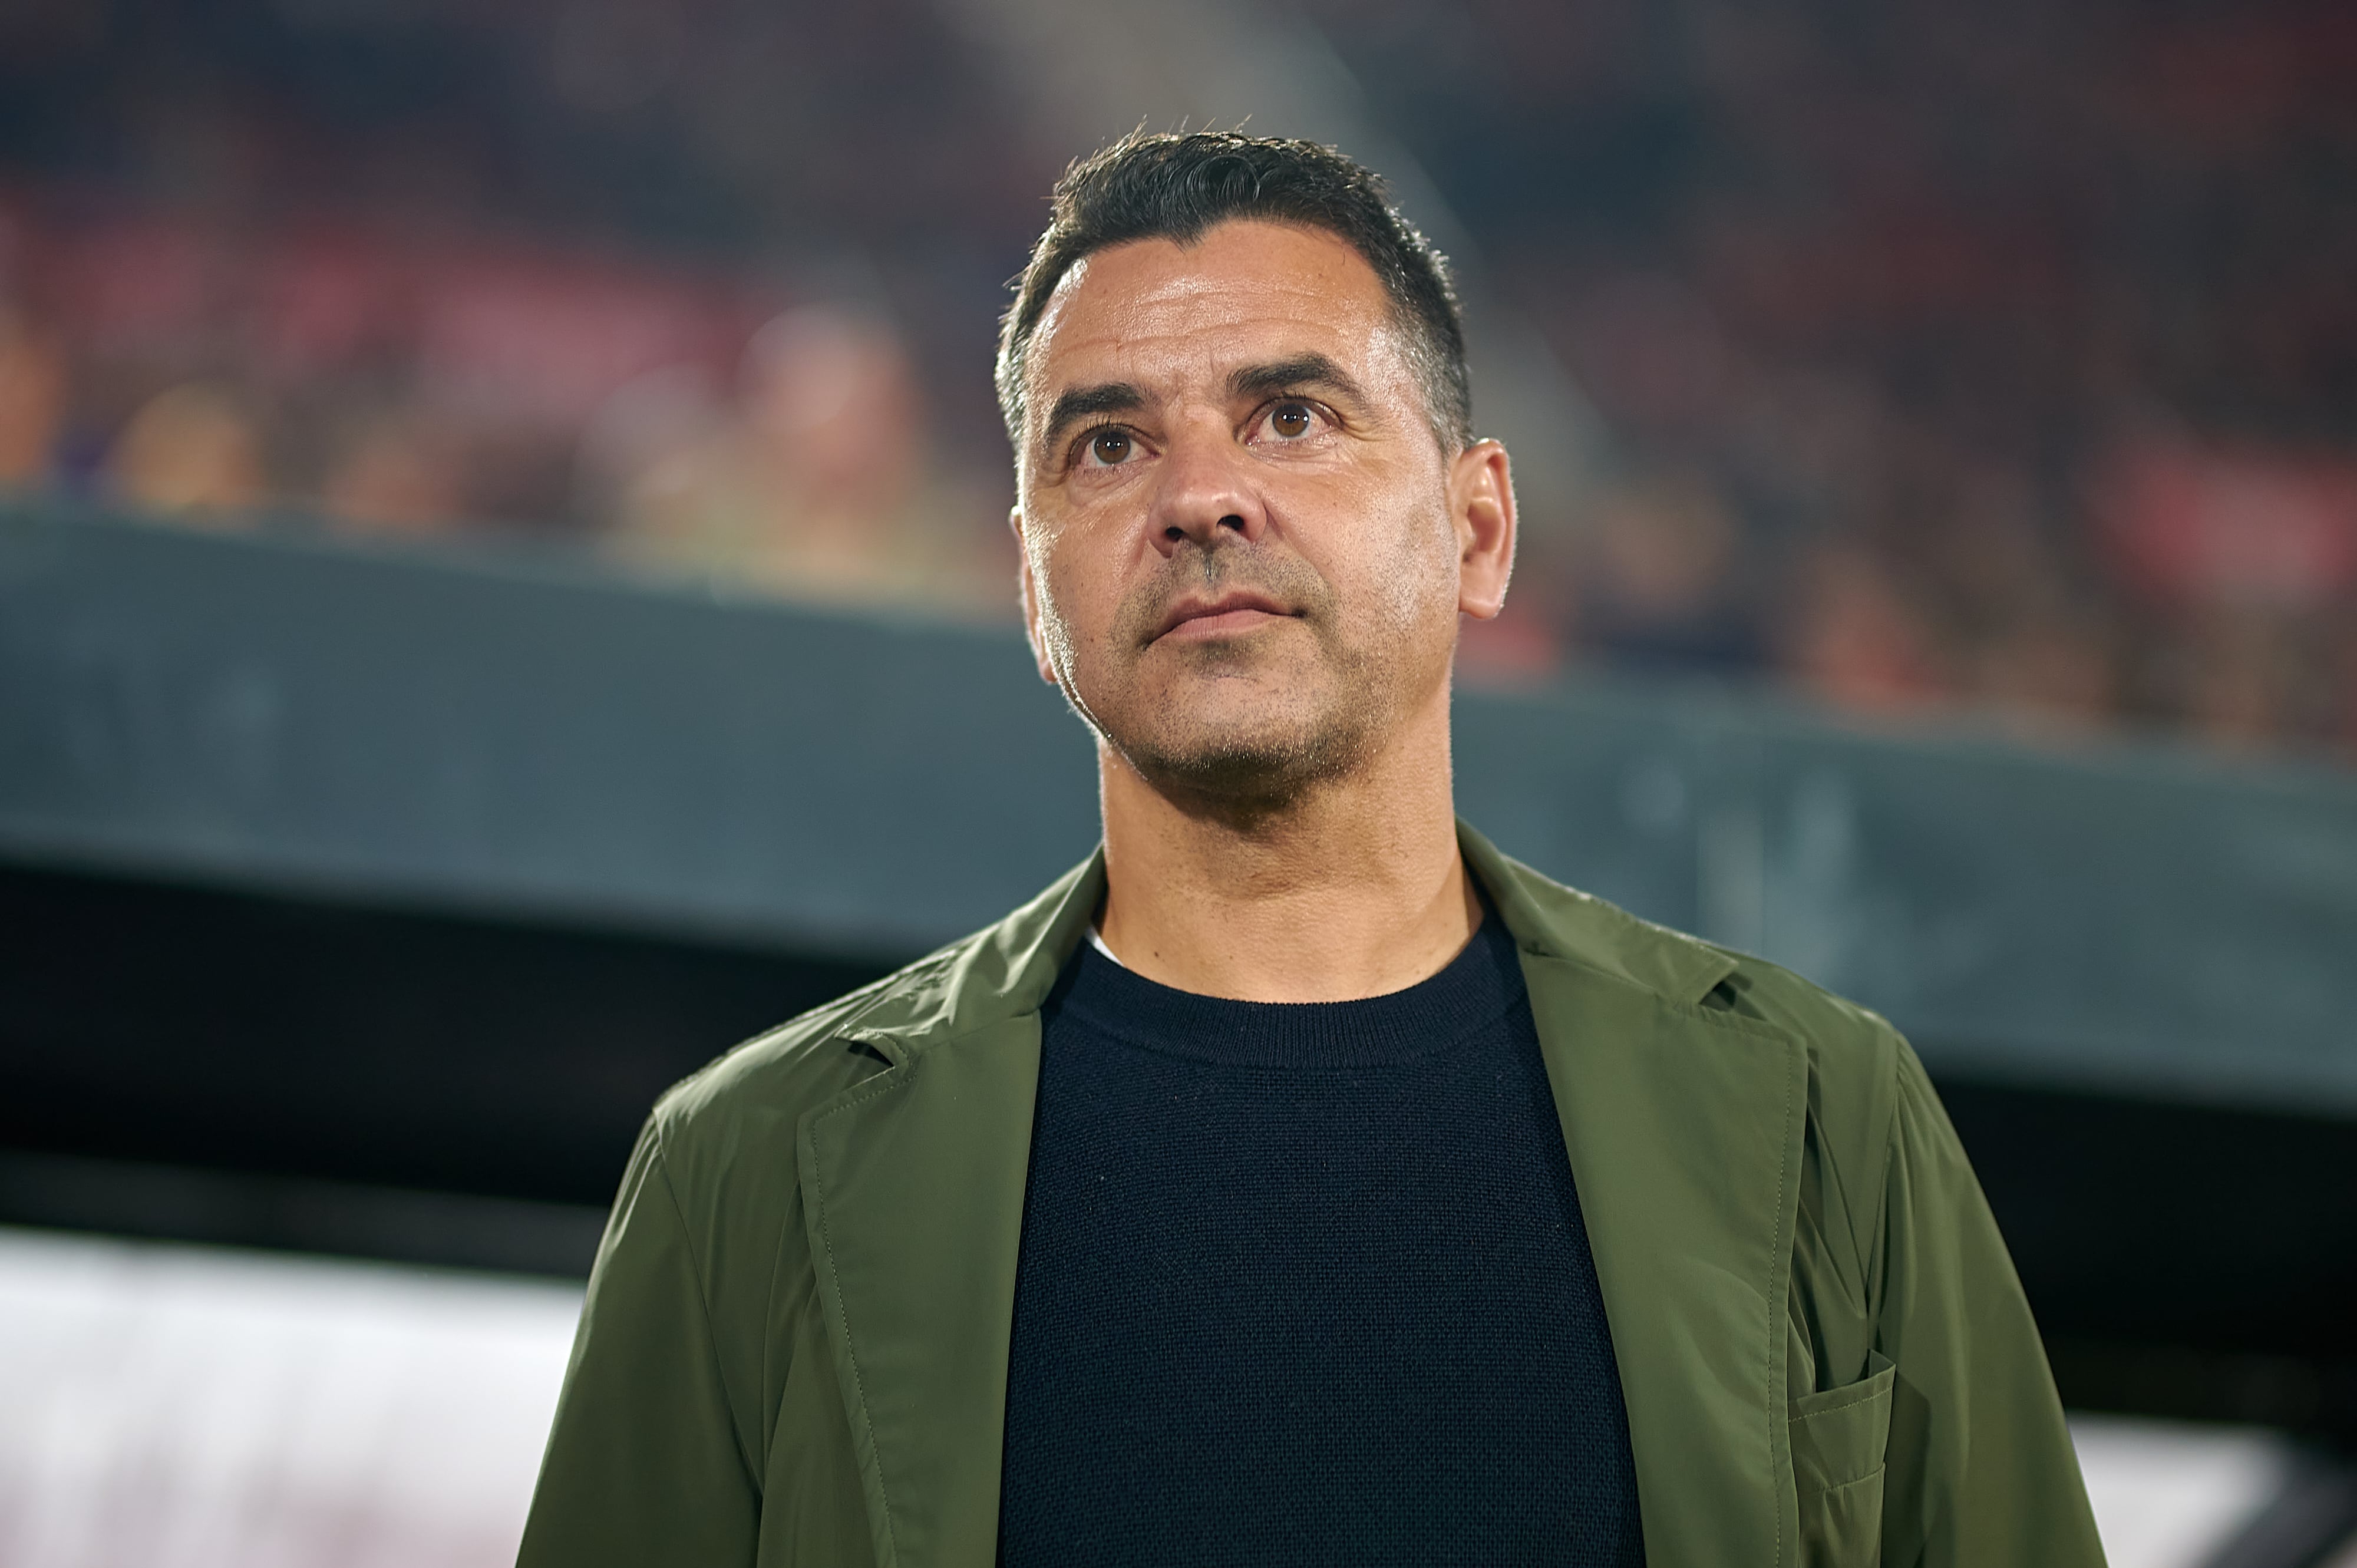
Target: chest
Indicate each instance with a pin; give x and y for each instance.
(1347, 1304)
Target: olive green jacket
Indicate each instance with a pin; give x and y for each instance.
(794, 1348)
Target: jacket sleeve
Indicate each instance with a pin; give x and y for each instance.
(1979, 1468)
(643, 1463)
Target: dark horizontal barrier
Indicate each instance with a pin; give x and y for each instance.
(534, 742)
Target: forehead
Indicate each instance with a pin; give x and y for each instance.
(1151, 310)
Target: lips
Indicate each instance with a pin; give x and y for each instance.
(1237, 609)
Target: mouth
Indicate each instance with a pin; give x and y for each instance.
(1198, 617)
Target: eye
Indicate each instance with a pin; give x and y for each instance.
(1291, 420)
(1110, 446)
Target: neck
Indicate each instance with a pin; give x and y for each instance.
(1357, 889)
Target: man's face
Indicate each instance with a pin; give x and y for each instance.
(1242, 545)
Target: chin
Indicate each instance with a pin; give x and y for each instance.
(1262, 763)
(1238, 727)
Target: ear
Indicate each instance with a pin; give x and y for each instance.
(1030, 592)
(1482, 503)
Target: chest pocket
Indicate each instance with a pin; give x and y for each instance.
(1838, 1438)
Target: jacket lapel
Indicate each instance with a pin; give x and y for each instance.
(1685, 1128)
(915, 1200)
(1685, 1139)
(912, 1187)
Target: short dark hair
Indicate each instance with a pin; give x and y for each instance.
(1167, 186)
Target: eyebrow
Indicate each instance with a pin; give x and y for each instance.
(1301, 370)
(1086, 403)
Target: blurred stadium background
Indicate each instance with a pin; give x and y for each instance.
(500, 504)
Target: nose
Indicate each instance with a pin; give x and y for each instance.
(1204, 497)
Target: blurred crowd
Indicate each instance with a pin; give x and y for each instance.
(665, 284)
(1998, 358)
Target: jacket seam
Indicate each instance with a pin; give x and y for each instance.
(887, 991)
(1879, 1285)
(851, 1351)
(1846, 1405)
(768, 1315)
(1816, 1494)
(832, 1020)
(1891, 1139)
(1780, 1263)
(704, 1301)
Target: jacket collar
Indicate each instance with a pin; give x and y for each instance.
(1550, 921)
(1684, 1126)
(1002, 971)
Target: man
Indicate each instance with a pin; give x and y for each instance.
(1300, 1180)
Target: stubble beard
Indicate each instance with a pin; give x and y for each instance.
(1312, 719)
(1266, 754)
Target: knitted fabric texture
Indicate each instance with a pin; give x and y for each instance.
(1307, 1284)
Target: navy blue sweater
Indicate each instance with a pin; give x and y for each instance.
(1307, 1284)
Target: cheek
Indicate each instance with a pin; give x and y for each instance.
(1414, 580)
(1070, 585)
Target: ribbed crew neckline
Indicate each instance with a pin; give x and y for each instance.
(1469, 993)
